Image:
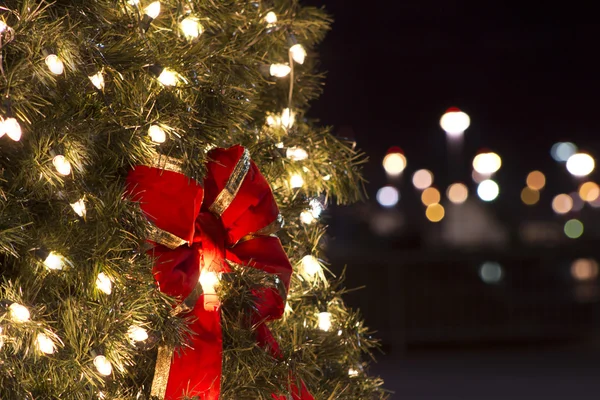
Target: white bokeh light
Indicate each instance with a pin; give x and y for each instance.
(491, 272)
(561, 151)
(422, 179)
(388, 196)
(487, 163)
(454, 122)
(488, 190)
(394, 163)
(580, 164)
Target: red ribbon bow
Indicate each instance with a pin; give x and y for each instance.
(197, 228)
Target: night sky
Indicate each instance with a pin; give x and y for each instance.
(527, 74)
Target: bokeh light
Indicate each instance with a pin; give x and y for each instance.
(562, 204)
(454, 122)
(536, 180)
(388, 196)
(430, 196)
(457, 193)
(422, 179)
(580, 164)
(584, 269)
(394, 161)
(530, 196)
(488, 190)
(573, 228)
(435, 212)
(487, 163)
(589, 191)
(578, 203)
(561, 151)
(491, 272)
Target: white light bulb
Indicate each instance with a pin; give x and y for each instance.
(296, 153)
(306, 217)
(55, 64)
(454, 122)
(316, 208)
(280, 70)
(19, 313)
(54, 261)
(97, 80)
(310, 265)
(168, 77)
(62, 165)
(288, 117)
(352, 373)
(12, 128)
(324, 321)
(191, 28)
(271, 18)
(133, 2)
(79, 207)
(103, 283)
(298, 53)
(296, 181)
(137, 333)
(153, 9)
(157, 134)
(487, 163)
(2, 337)
(45, 344)
(273, 120)
(327, 177)
(209, 280)
(103, 366)
(3, 26)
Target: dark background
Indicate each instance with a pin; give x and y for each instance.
(527, 74)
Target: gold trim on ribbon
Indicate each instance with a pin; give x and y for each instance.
(268, 230)
(167, 163)
(233, 185)
(165, 238)
(190, 301)
(161, 371)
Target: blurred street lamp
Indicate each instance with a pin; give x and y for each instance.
(455, 122)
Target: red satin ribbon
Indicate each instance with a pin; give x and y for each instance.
(179, 205)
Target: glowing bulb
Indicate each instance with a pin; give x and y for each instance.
(457, 193)
(153, 9)
(580, 164)
(488, 190)
(45, 344)
(3, 26)
(296, 153)
(97, 80)
(562, 204)
(298, 53)
(324, 321)
(133, 2)
(388, 196)
(487, 163)
(273, 120)
(271, 18)
(352, 373)
(327, 177)
(103, 283)
(288, 117)
(168, 77)
(157, 134)
(55, 64)
(191, 28)
(19, 313)
(454, 122)
(54, 261)
(310, 265)
(296, 181)
(103, 366)
(12, 128)
(209, 281)
(2, 338)
(422, 179)
(62, 165)
(394, 163)
(316, 208)
(279, 70)
(306, 217)
(137, 333)
(79, 207)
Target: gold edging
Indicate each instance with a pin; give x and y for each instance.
(226, 196)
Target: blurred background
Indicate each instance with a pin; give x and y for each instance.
(479, 243)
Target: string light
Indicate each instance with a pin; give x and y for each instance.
(310, 266)
(19, 313)
(103, 366)
(279, 70)
(352, 373)
(153, 9)
(2, 337)
(324, 321)
(209, 281)
(298, 53)
(296, 181)
(137, 333)
(62, 165)
(55, 64)
(97, 80)
(11, 127)
(103, 283)
(288, 117)
(306, 217)
(168, 77)
(54, 261)
(191, 28)
(296, 153)
(79, 207)
(316, 208)
(45, 344)
(271, 18)
(157, 134)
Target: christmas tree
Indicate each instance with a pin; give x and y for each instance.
(108, 105)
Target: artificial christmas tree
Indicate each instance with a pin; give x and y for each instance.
(137, 242)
